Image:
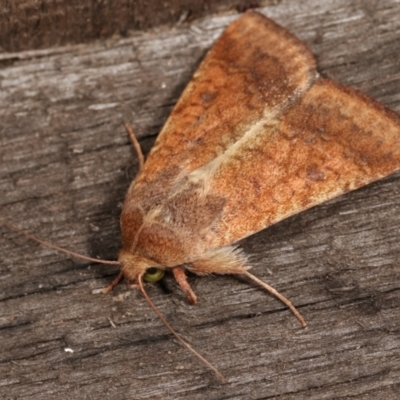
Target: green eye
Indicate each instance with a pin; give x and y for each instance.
(153, 275)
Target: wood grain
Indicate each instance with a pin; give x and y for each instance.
(33, 24)
(66, 163)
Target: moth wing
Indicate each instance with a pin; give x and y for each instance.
(255, 68)
(332, 141)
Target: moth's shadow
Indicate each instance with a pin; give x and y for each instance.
(105, 242)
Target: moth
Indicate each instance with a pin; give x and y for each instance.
(256, 137)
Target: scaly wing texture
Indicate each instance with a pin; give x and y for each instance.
(332, 141)
(255, 70)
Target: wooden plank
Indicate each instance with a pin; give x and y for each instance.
(30, 24)
(66, 163)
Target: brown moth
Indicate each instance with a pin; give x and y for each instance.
(256, 137)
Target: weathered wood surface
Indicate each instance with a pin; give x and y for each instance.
(66, 163)
(28, 24)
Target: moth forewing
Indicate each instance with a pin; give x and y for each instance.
(331, 141)
(255, 68)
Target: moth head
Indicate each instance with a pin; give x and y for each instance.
(135, 265)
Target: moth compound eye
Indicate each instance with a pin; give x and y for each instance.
(153, 275)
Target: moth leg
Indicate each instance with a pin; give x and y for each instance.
(136, 145)
(181, 278)
(114, 283)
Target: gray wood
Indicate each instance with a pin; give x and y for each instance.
(33, 24)
(66, 163)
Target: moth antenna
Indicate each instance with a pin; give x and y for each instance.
(177, 336)
(136, 145)
(282, 298)
(58, 248)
